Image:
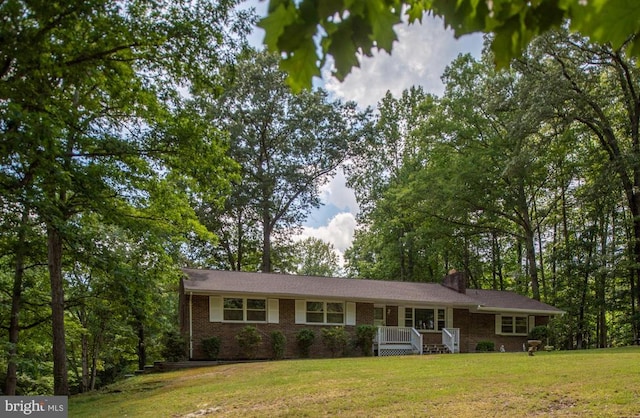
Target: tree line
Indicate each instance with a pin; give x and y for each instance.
(524, 178)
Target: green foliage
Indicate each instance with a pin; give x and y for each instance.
(278, 344)
(304, 340)
(541, 332)
(316, 258)
(249, 340)
(365, 334)
(96, 142)
(273, 133)
(336, 340)
(485, 346)
(365, 25)
(211, 347)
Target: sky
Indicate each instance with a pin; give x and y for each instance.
(418, 58)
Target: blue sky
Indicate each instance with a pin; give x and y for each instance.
(418, 59)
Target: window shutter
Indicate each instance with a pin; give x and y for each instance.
(351, 314)
(498, 324)
(401, 316)
(274, 311)
(532, 323)
(215, 308)
(301, 311)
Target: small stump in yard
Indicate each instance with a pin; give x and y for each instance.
(533, 346)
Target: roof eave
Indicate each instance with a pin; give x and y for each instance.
(493, 309)
(206, 292)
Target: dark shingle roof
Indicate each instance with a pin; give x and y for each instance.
(504, 300)
(234, 282)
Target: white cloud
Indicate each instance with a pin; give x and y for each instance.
(339, 231)
(337, 193)
(418, 58)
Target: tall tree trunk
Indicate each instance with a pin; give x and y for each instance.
(142, 348)
(529, 240)
(266, 244)
(601, 286)
(11, 382)
(543, 282)
(60, 379)
(582, 326)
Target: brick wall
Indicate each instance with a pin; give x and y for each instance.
(476, 327)
(203, 328)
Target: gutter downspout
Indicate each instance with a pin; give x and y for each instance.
(190, 325)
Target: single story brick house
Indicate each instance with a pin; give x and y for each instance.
(411, 317)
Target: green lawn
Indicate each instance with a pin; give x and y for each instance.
(596, 383)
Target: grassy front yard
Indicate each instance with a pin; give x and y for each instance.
(598, 383)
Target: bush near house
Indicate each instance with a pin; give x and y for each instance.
(485, 346)
(249, 339)
(278, 344)
(304, 340)
(174, 346)
(336, 340)
(211, 347)
(541, 332)
(365, 334)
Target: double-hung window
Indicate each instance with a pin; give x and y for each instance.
(244, 310)
(319, 312)
(514, 325)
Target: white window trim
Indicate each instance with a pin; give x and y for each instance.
(216, 309)
(514, 333)
(348, 312)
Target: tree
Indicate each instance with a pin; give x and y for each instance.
(317, 258)
(86, 119)
(346, 29)
(287, 145)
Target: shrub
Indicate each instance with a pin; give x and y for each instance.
(304, 339)
(365, 334)
(278, 344)
(249, 340)
(211, 347)
(541, 332)
(485, 346)
(174, 346)
(335, 339)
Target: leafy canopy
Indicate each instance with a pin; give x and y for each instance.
(349, 28)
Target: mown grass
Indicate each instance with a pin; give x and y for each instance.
(595, 383)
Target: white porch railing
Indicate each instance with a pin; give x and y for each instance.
(451, 339)
(398, 339)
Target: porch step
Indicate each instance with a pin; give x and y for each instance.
(435, 349)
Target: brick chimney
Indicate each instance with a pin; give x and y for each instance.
(455, 280)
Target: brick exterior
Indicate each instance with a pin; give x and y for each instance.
(474, 327)
(203, 328)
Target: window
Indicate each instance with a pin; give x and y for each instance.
(244, 310)
(325, 312)
(430, 319)
(516, 325)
